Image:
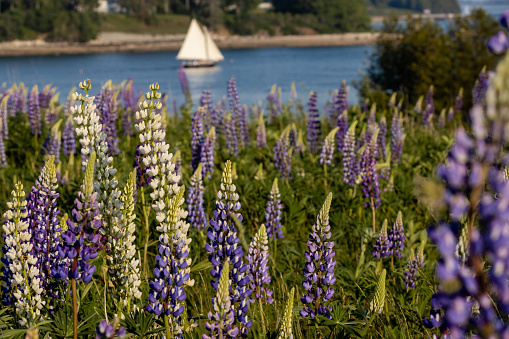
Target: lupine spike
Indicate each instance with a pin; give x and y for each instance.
(197, 217)
(370, 181)
(286, 328)
(274, 213)
(378, 302)
(258, 257)
(383, 243)
(349, 159)
(397, 236)
(328, 148)
(260, 175)
(282, 154)
(314, 125)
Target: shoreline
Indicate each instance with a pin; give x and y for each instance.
(117, 42)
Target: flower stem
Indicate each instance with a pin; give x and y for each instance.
(167, 326)
(373, 211)
(74, 309)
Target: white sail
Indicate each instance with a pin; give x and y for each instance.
(194, 46)
(214, 53)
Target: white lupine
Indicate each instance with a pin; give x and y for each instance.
(25, 279)
(93, 139)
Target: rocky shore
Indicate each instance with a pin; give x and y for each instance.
(110, 42)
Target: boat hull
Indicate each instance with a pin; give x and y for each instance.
(198, 64)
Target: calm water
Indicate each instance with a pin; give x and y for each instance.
(256, 70)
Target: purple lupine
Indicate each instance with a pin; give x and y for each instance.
(498, 43)
(46, 95)
(196, 137)
(458, 103)
(238, 113)
(480, 87)
(340, 105)
(350, 165)
(224, 247)
(429, 108)
(142, 178)
(410, 273)
(382, 134)
(217, 120)
(319, 270)
(274, 213)
(327, 152)
(283, 155)
(55, 144)
(383, 245)
(342, 125)
(44, 226)
(197, 217)
(106, 331)
(34, 111)
(184, 84)
(397, 236)
(108, 117)
(3, 156)
(207, 153)
(261, 135)
(314, 128)
(397, 138)
(232, 146)
(79, 242)
(371, 125)
(129, 96)
(258, 257)
(369, 174)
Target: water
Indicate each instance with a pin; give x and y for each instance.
(256, 70)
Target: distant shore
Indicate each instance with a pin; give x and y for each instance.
(112, 42)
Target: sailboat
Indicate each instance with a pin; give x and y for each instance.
(198, 49)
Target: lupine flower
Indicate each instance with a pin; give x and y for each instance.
(380, 142)
(371, 125)
(109, 117)
(378, 302)
(319, 272)
(286, 328)
(274, 213)
(55, 142)
(341, 103)
(259, 174)
(458, 104)
(383, 244)
(314, 125)
(93, 139)
(410, 273)
(261, 136)
(207, 153)
(498, 43)
(184, 84)
(223, 247)
(328, 148)
(3, 115)
(429, 109)
(350, 165)
(79, 241)
(43, 218)
(129, 96)
(258, 257)
(172, 270)
(68, 137)
(283, 155)
(221, 322)
(369, 174)
(142, 178)
(106, 331)
(196, 137)
(342, 124)
(231, 136)
(34, 111)
(20, 273)
(197, 217)
(217, 120)
(397, 236)
(3, 156)
(124, 265)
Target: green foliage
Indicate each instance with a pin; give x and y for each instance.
(409, 58)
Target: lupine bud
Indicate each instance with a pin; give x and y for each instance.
(378, 302)
(286, 328)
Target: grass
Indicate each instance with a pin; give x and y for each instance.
(163, 24)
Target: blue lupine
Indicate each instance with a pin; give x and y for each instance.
(383, 245)
(223, 246)
(369, 174)
(68, 137)
(196, 137)
(274, 213)
(258, 257)
(342, 124)
(271, 102)
(207, 153)
(320, 264)
(232, 145)
(108, 119)
(349, 159)
(107, 331)
(314, 129)
(244, 132)
(34, 111)
(397, 236)
(410, 272)
(498, 43)
(197, 217)
(283, 155)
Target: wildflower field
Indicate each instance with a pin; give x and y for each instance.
(127, 216)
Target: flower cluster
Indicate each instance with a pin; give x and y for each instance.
(232, 145)
(380, 142)
(397, 236)
(458, 104)
(369, 174)
(349, 159)
(20, 274)
(340, 102)
(286, 328)
(378, 302)
(68, 137)
(184, 84)
(107, 331)
(196, 137)
(274, 213)
(34, 111)
(319, 272)
(283, 154)
(197, 217)
(258, 258)
(328, 148)
(342, 125)
(499, 43)
(314, 125)
(383, 245)
(4, 134)
(224, 247)
(109, 116)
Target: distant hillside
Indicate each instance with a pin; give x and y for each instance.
(436, 6)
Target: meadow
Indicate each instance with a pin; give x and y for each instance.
(127, 216)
